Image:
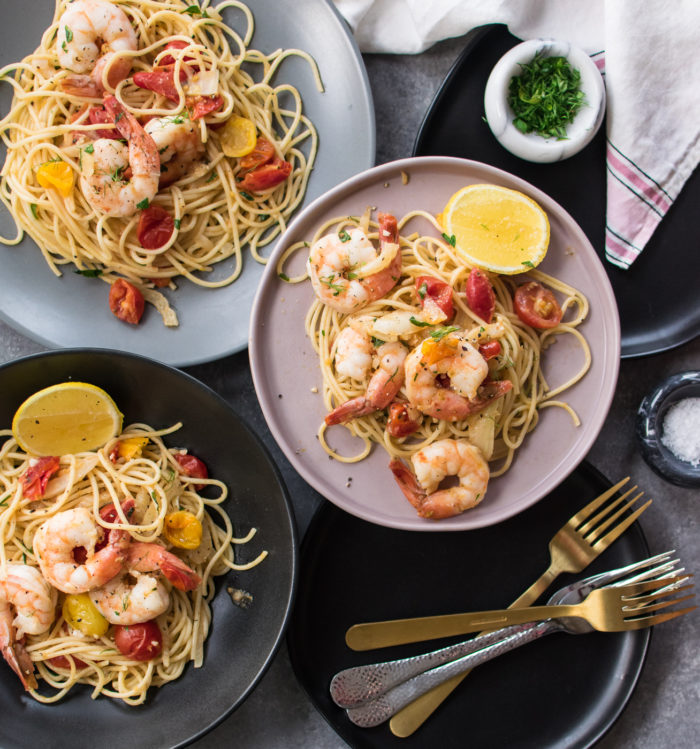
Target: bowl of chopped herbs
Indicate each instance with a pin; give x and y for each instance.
(544, 100)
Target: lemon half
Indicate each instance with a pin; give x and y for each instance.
(69, 417)
(496, 228)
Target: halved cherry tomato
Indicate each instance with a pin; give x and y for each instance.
(98, 115)
(37, 475)
(490, 349)
(201, 106)
(81, 613)
(161, 80)
(537, 306)
(183, 529)
(155, 228)
(266, 176)
(170, 60)
(193, 467)
(108, 513)
(481, 298)
(126, 301)
(140, 642)
(160, 283)
(64, 661)
(263, 152)
(400, 423)
(433, 291)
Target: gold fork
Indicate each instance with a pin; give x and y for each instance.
(614, 609)
(572, 549)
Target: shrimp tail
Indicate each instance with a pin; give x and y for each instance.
(81, 85)
(360, 406)
(124, 121)
(408, 484)
(14, 653)
(144, 557)
(488, 392)
(388, 229)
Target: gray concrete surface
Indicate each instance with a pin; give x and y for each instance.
(664, 708)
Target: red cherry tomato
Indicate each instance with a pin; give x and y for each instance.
(108, 513)
(140, 642)
(433, 290)
(266, 176)
(64, 661)
(481, 298)
(193, 467)
(126, 301)
(537, 306)
(155, 228)
(37, 475)
(263, 152)
(98, 115)
(201, 106)
(490, 349)
(400, 423)
(170, 60)
(161, 80)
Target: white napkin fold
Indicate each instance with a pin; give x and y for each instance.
(650, 53)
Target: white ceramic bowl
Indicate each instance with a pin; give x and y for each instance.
(530, 146)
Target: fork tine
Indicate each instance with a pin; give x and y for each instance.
(592, 506)
(596, 523)
(634, 612)
(602, 543)
(649, 621)
(633, 590)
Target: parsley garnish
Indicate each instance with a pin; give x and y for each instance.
(89, 148)
(351, 276)
(246, 195)
(546, 96)
(69, 35)
(89, 272)
(117, 174)
(336, 287)
(195, 10)
(377, 342)
(142, 204)
(177, 222)
(153, 497)
(419, 323)
(212, 177)
(3, 501)
(344, 236)
(440, 333)
(423, 290)
(528, 263)
(451, 239)
(33, 207)
(283, 276)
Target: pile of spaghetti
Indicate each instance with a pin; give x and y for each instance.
(394, 350)
(225, 159)
(163, 539)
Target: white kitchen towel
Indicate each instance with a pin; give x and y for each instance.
(650, 52)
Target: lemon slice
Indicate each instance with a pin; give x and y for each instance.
(496, 228)
(69, 417)
(238, 136)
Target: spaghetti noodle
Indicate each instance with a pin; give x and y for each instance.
(153, 479)
(207, 84)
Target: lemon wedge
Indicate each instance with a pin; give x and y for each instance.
(68, 417)
(238, 136)
(496, 228)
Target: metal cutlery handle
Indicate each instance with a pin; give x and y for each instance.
(353, 686)
(378, 710)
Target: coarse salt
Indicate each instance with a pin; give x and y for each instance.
(681, 430)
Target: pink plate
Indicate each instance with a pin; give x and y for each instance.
(286, 372)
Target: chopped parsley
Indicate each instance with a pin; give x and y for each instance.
(177, 222)
(245, 195)
(529, 263)
(89, 148)
(34, 211)
(142, 204)
(450, 239)
(440, 333)
(283, 276)
(90, 272)
(419, 323)
(377, 342)
(3, 501)
(423, 290)
(343, 236)
(195, 10)
(69, 34)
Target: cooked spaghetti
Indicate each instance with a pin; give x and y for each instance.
(518, 387)
(143, 483)
(226, 159)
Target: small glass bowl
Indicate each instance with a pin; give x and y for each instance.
(530, 146)
(650, 421)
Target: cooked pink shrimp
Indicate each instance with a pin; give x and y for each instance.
(90, 34)
(432, 465)
(341, 269)
(445, 378)
(152, 558)
(179, 145)
(383, 386)
(23, 589)
(103, 181)
(353, 354)
(61, 534)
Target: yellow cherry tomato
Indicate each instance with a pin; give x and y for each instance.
(238, 136)
(131, 447)
(81, 613)
(56, 174)
(183, 529)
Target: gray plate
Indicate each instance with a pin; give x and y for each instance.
(73, 311)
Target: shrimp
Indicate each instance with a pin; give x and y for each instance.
(434, 463)
(103, 179)
(446, 378)
(23, 589)
(136, 594)
(90, 34)
(383, 386)
(61, 534)
(179, 145)
(353, 354)
(342, 269)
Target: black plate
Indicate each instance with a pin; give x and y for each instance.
(241, 642)
(657, 296)
(562, 691)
